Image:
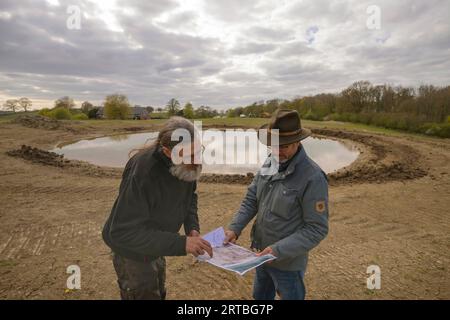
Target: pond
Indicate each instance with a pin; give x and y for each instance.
(112, 151)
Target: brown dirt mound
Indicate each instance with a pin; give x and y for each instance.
(228, 178)
(40, 122)
(39, 156)
(387, 162)
(131, 129)
(37, 121)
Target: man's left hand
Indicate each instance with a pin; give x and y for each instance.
(194, 233)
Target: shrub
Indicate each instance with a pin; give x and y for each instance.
(60, 113)
(353, 117)
(117, 107)
(312, 116)
(45, 112)
(92, 114)
(398, 121)
(402, 124)
(444, 131)
(80, 116)
(365, 118)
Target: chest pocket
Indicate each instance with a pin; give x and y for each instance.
(284, 202)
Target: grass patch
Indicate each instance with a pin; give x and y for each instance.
(8, 263)
(240, 122)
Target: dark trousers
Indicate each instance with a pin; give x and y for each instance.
(268, 281)
(141, 280)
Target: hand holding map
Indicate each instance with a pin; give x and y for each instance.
(230, 256)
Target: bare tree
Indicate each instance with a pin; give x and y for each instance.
(86, 107)
(25, 103)
(173, 106)
(11, 104)
(65, 102)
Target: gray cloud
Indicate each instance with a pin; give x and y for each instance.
(271, 34)
(219, 53)
(252, 47)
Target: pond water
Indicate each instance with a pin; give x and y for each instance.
(112, 151)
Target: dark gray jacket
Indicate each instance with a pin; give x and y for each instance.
(150, 209)
(291, 209)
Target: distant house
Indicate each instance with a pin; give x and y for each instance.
(100, 113)
(139, 113)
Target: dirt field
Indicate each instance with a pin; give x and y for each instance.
(390, 208)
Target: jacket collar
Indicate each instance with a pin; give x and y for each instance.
(298, 158)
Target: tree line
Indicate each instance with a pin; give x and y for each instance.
(425, 109)
(117, 106)
(173, 108)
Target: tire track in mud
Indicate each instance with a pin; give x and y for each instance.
(221, 284)
(49, 190)
(58, 194)
(343, 269)
(37, 240)
(217, 205)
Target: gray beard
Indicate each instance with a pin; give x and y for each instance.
(182, 172)
(279, 161)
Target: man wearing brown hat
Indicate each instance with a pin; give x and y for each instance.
(291, 209)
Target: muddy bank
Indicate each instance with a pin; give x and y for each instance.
(379, 161)
(227, 178)
(48, 158)
(38, 156)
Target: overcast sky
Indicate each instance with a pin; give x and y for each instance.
(221, 53)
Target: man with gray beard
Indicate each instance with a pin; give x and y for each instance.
(156, 197)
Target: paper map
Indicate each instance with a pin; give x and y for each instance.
(231, 257)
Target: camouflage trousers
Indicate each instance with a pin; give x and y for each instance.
(141, 280)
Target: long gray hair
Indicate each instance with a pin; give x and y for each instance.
(165, 135)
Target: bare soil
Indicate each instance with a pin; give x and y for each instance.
(388, 208)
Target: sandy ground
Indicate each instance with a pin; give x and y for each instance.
(390, 208)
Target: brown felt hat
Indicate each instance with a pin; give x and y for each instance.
(289, 128)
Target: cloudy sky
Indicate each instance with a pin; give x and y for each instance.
(221, 53)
